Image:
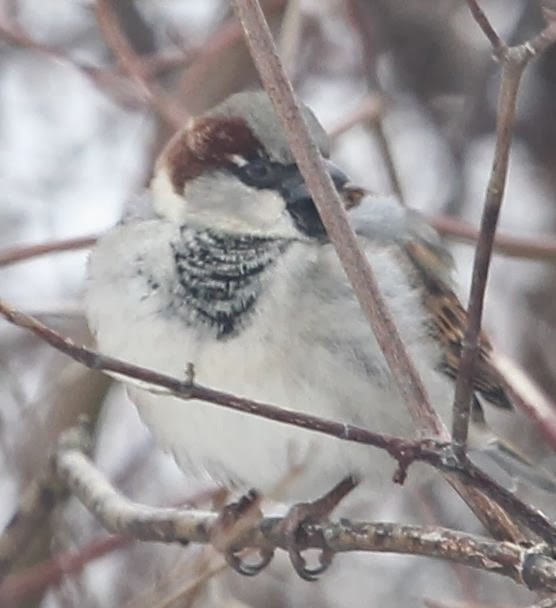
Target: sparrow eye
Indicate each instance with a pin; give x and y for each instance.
(260, 173)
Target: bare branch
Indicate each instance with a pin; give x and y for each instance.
(369, 109)
(541, 248)
(514, 61)
(483, 22)
(363, 27)
(530, 566)
(547, 37)
(290, 35)
(112, 82)
(465, 477)
(21, 253)
(133, 65)
(46, 574)
(403, 450)
(533, 248)
(528, 397)
(37, 502)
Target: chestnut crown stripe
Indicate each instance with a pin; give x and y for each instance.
(206, 145)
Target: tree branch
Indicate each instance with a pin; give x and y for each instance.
(403, 450)
(525, 565)
(36, 504)
(133, 65)
(21, 253)
(467, 478)
(532, 248)
(514, 60)
(483, 22)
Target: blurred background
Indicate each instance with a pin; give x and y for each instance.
(90, 91)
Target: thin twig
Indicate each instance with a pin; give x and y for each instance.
(290, 35)
(172, 112)
(369, 109)
(112, 82)
(533, 248)
(378, 128)
(26, 252)
(528, 397)
(514, 61)
(402, 449)
(483, 22)
(38, 578)
(540, 248)
(367, 33)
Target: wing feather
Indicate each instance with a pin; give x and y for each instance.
(448, 322)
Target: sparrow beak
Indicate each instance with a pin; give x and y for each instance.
(295, 191)
(299, 202)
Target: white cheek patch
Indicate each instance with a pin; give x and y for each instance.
(223, 204)
(166, 201)
(268, 214)
(267, 208)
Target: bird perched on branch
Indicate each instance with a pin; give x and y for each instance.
(231, 269)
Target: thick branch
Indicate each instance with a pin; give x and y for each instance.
(116, 513)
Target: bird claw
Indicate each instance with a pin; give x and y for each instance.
(298, 516)
(237, 517)
(241, 567)
(233, 520)
(231, 514)
(300, 565)
(312, 513)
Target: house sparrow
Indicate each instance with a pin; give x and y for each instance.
(231, 269)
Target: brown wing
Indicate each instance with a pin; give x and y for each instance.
(448, 322)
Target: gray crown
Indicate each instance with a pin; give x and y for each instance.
(257, 109)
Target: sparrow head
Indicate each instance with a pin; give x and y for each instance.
(232, 169)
